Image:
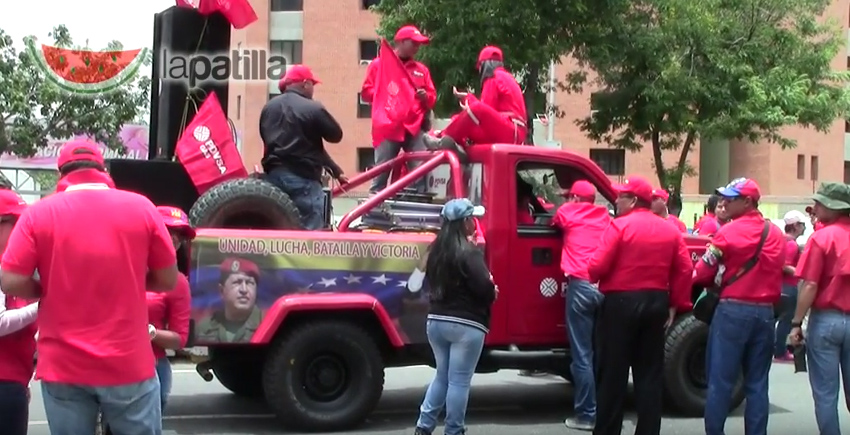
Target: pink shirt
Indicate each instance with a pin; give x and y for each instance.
(583, 224)
(171, 311)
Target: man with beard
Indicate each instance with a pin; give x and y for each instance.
(240, 317)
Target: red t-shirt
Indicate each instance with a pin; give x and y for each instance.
(734, 245)
(92, 247)
(708, 226)
(583, 224)
(171, 311)
(18, 348)
(677, 223)
(642, 251)
(826, 261)
(792, 255)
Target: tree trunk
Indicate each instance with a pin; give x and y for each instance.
(532, 83)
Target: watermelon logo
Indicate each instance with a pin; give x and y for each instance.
(85, 71)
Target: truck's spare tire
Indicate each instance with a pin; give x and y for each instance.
(245, 203)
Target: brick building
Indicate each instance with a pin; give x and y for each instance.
(336, 39)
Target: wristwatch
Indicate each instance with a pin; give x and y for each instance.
(152, 331)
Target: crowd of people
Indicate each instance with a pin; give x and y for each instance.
(92, 271)
(631, 276)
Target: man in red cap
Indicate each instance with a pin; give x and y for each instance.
(17, 334)
(659, 207)
(293, 127)
(741, 334)
(97, 251)
(644, 270)
(582, 224)
(498, 117)
(239, 316)
(407, 135)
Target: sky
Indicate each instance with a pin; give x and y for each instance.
(99, 21)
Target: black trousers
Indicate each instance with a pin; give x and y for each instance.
(630, 335)
(14, 408)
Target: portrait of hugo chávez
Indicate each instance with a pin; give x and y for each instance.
(239, 316)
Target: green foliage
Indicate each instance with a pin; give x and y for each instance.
(531, 33)
(672, 71)
(33, 109)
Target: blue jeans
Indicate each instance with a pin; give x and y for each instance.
(163, 373)
(457, 348)
(740, 338)
(389, 149)
(132, 409)
(306, 194)
(827, 352)
(583, 301)
(783, 324)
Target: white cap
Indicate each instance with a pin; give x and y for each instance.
(794, 217)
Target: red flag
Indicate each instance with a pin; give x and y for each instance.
(207, 150)
(394, 91)
(238, 12)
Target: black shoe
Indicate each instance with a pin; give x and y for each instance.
(420, 431)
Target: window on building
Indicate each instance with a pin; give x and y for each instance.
(290, 50)
(364, 110)
(365, 159)
(846, 126)
(368, 49)
(594, 103)
(813, 171)
(612, 161)
(287, 5)
(801, 167)
(366, 4)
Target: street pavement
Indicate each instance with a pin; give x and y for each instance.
(501, 404)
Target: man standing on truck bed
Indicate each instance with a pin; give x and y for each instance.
(582, 223)
(239, 316)
(644, 270)
(409, 134)
(97, 251)
(293, 127)
(741, 333)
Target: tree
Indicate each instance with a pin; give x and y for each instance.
(33, 109)
(672, 71)
(531, 33)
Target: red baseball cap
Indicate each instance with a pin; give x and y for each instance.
(583, 189)
(740, 187)
(490, 52)
(174, 218)
(79, 150)
(660, 193)
(296, 74)
(637, 186)
(412, 33)
(11, 204)
(237, 265)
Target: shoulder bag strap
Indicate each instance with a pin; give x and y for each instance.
(752, 261)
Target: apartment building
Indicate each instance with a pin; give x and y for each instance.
(336, 38)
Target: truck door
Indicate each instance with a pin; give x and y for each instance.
(538, 303)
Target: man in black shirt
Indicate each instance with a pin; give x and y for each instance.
(293, 128)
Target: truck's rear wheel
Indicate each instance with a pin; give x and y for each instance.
(248, 203)
(685, 381)
(324, 376)
(239, 375)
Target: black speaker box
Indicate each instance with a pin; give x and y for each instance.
(164, 182)
(181, 32)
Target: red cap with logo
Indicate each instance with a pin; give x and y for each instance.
(11, 204)
(637, 186)
(412, 33)
(174, 218)
(239, 265)
(660, 193)
(583, 189)
(490, 52)
(297, 74)
(79, 150)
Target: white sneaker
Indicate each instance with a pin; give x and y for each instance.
(574, 423)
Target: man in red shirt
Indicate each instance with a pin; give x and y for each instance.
(824, 268)
(708, 224)
(795, 226)
(659, 207)
(644, 270)
(741, 336)
(500, 115)
(96, 250)
(582, 223)
(408, 135)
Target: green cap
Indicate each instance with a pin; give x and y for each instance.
(834, 196)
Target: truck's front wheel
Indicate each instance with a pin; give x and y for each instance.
(685, 381)
(324, 376)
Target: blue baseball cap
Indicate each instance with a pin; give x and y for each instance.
(462, 208)
(740, 187)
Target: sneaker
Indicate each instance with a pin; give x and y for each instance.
(575, 423)
(420, 431)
